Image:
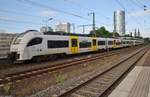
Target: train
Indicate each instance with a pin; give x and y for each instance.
(32, 43)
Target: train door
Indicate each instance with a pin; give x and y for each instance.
(74, 44)
(94, 44)
(114, 44)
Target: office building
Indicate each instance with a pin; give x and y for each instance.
(119, 22)
(63, 26)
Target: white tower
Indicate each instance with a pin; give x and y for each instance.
(119, 22)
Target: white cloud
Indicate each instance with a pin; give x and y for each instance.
(47, 13)
(140, 13)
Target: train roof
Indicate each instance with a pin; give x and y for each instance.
(65, 34)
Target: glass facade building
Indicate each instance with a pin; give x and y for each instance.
(119, 22)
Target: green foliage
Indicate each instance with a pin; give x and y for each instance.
(102, 32)
(60, 78)
(127, 35)
(116, 34)
(147, 40)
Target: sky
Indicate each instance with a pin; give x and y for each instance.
(17, 16)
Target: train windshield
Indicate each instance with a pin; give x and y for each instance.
(18, 38)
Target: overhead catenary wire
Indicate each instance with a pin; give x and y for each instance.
(53, 9)
(91, 10)
(140, 3)
(16, 27)
(137, 4)
(132, 6)
(33, 3)
(121, 5)
(18, 21)
(19, 13)
(27, 15)
(23, 25)
(85, 8)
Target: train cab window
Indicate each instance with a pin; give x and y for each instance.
(35, 41)
(94, 42)
(101, 42)
(17, 41)
(74, 42)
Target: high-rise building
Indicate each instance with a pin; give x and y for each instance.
(65, 27)
(139, 33)
(131, 34)
(135, 33)
(119, 22)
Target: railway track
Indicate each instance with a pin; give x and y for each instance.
(98, 84)
(9, 78)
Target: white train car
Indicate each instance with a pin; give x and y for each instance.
(110, 43)
(32, 44)
(138, 41)
(118, 43)
(101, 43)
(127, 43)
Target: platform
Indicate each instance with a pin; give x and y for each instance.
(137, 82)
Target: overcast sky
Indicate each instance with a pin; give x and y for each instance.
(21, 15)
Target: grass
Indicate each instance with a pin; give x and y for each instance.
(60, 78)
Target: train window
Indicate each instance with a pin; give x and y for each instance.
(94, 42)
(74, 42)
(84, 44)
(57, 44)
(110, 42)
(35, 41)
(101, 42)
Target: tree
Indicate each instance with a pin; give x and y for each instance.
(115, 34)
(147, 40)
(101, 32)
